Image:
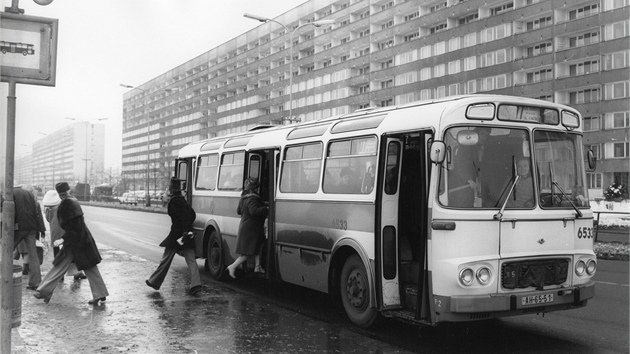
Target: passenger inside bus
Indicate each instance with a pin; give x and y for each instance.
(523, 194)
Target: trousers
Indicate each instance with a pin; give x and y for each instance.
(157, 278)
(34, 272)
(50, 281)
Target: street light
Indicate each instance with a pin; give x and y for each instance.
(85, 189)
(314, 23)
(147, 196)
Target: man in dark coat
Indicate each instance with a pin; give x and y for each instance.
(179, 240)
(79, 247)
(27, 226)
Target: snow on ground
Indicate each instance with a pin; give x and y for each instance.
(612, 213)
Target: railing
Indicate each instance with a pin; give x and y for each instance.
(616, 232)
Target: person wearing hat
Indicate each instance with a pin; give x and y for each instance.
(251, 233)
(51, 202)
(79, 248)
(179, 240)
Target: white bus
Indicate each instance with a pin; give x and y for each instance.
(423, 212)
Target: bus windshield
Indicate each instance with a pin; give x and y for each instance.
(489, 167)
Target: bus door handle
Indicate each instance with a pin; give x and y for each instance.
(443, 225)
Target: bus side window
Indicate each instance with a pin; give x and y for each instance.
(231, 171)
(391, 170)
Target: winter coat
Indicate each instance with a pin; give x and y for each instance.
(182, 218)
(26, 216)
(251, 229)
(77, 237)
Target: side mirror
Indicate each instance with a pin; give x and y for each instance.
(437, 151)
(591, 160)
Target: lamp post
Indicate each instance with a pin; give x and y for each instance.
(85, 189)
(314, 23)
(147, 196)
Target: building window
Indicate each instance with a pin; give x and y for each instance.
(584, 96)
(438, 28)
(344, 58)
(539, 75)
(345, 40)
(621, 150)
(437, 7)
(470, 40)
(411, 16)
(470, 63)
(411, 36)
(617, 30)
(365, 15)
(583, 11)
(439, 48)
(327, 63)
(616, 60)
(425, 74)
(591, 124)
(387, 24)
(587, 67)
(454, 44)
(584, 39)
(539, 23)
(364, 51)
(364, 33)
(619, 119)
(439, 70)
(539, 49)
(453, 67)
(467, 19)
(387, 84)
(617, 90)
(386, 44)
(327, 46)
(501, 8)
(594, 180)
(453, 89)
(615, 4)
(387, 102)
(387, 64)
(364, 89)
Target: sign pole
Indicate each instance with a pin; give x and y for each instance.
(8, 222)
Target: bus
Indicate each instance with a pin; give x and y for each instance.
(14, 47)
(419, 212)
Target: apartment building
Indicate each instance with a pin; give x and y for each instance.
(387, 52)
(75, 153)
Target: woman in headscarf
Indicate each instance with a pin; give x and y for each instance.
(251, 233)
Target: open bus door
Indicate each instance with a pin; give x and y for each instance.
(389, 289)
(262, 164)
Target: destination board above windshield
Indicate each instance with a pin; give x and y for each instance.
(529, 114)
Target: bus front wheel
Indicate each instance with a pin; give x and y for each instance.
(214, 262)
(355, 293)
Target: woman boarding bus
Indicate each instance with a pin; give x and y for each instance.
(458, 209)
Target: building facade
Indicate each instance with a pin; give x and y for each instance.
(387, 52)
(75, 153)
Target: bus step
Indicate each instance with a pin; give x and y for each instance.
(411, 296)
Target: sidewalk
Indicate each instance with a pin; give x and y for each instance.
(69, 325)
(137, 319)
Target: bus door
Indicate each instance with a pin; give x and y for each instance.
(389, 240)
(262, 164)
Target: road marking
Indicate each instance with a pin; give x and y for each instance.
(609, 283)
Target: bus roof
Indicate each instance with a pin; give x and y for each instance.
(397, 120)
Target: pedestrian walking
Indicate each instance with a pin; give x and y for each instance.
(251, 232)
(179, 240)
(78, 247)
(27, 227)
(51, 202)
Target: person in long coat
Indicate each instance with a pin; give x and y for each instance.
(251, 229)
(79, 248)
(179, 240)
(28, 224)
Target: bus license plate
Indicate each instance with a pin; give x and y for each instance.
(536, 299)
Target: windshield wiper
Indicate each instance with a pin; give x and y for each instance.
(554, 183)
(499, 215)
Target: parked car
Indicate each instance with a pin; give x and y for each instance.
(128, 198)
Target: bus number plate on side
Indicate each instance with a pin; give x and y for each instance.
(536, 299)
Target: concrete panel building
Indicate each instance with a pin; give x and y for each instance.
(387, 52)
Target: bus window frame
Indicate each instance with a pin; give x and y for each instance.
(198, 168)
(234, 178)
(329, 189)
(302, 159)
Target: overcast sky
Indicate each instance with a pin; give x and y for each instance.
(103, 43)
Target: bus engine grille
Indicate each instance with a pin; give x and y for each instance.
(534, 273)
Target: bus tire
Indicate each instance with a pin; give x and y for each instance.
(214, 261)
(355, 293)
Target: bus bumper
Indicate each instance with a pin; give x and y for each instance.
(468, 308)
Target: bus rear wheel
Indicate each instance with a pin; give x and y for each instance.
(355, 293)
(214, 262)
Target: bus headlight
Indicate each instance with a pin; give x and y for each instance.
(483, 275)
(591, 266)
(580, 267)
(466, 276)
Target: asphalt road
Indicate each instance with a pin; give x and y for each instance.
(601, 327)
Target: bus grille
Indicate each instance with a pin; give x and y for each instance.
(534, 273)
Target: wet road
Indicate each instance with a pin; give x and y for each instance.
(250, 314)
